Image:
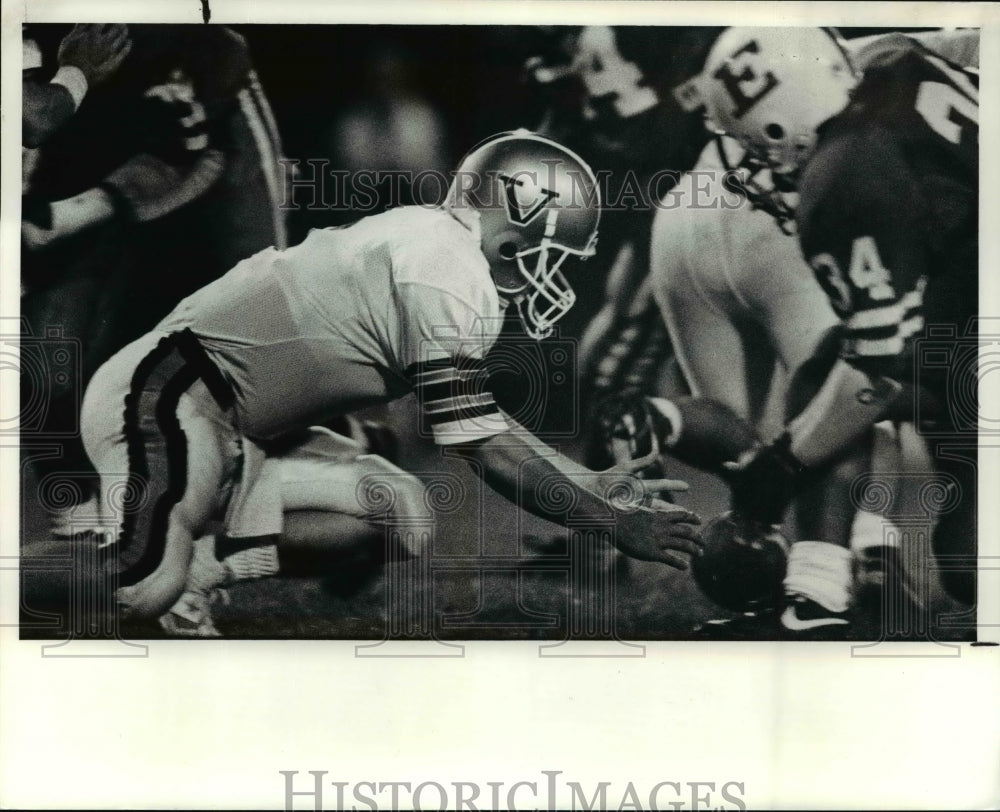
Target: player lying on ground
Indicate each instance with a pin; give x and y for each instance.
(402, 301)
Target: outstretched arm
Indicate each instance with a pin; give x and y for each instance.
(554, 488)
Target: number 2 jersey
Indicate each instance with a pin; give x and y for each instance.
(888, 215)
(352, 317)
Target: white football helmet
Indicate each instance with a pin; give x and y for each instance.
(770, 88)
(537, 204)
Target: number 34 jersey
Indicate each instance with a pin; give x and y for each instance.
(888, 215)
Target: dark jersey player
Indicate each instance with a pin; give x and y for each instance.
(886, 167)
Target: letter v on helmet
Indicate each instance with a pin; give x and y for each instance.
(515, 211)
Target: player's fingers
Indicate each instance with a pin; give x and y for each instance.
(661, 485)
(673, 560)
(120, 51)
(679, 515)
(681, 545)
(732, 465)
(116, 40)
(683, 536)
(637, 464)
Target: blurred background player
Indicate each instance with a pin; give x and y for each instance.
(605, 88)
(165, 177)
(854, 147)
(410, 299)
(87, 56)
(393, 133)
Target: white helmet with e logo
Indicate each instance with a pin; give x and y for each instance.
(770, 88)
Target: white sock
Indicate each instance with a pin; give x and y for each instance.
(821, 572)
(206, 571)
(255, 562)
(872, 530)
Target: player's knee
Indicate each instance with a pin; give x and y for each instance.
(410, 497)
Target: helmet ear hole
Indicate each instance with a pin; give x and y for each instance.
(507, 250)
(774, 131)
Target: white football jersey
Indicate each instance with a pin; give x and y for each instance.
(352, 317)
(735, 291)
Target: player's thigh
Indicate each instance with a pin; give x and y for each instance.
(102, 426)
(781, 289)
(162, 463)
(720, 360)
(207, 456)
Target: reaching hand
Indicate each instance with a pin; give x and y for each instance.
(97, 49)
(652, 533)
(622, 484)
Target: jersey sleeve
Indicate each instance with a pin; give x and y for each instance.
(864, 229)
(445, 341)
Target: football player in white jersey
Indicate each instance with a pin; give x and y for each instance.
(846, 136)
(402, 301)
(744, 314)
(737, 295)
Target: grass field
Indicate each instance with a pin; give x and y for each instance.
(495, 572)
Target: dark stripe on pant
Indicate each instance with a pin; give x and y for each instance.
(158, 454)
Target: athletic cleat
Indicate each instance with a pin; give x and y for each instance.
(759, 625)
(191, 615)
(804, 619)
(801, 619)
